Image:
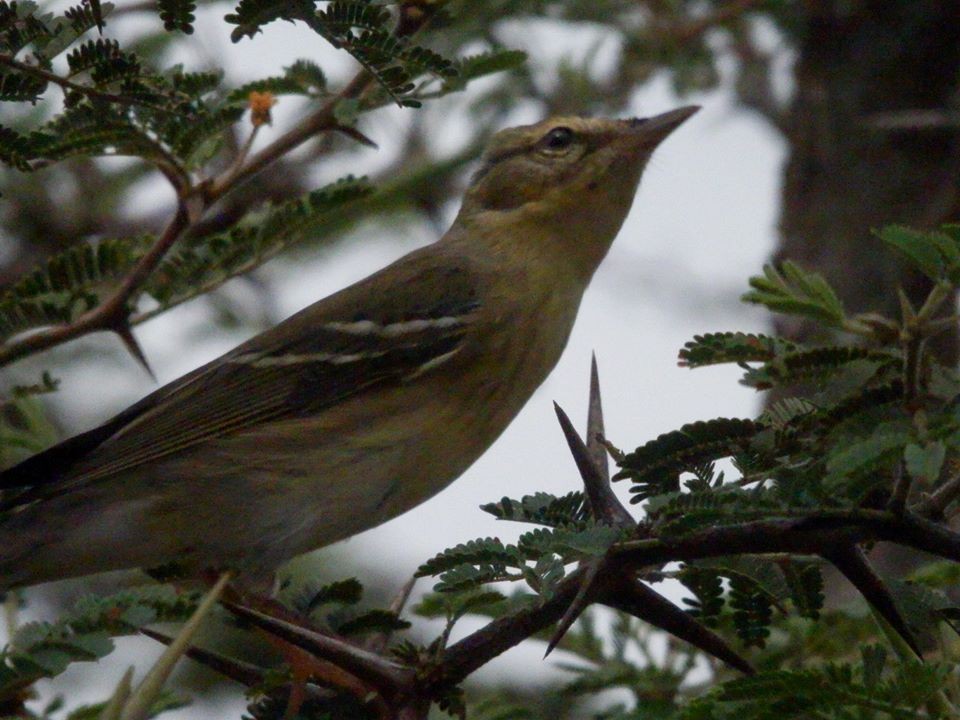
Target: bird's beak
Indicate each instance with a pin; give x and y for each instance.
(647, 133)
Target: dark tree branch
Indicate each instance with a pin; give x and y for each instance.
(814, 534)
(112, 313)
(244, 673)
(386, 676)
(851, 561)
(67, 84)
(193, 201)
(581, 602)
(935, 504)
(635, 598)
(477, 649)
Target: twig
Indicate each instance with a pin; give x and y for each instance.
(579, 603)
(635, 598)
(933, 506)
(322, 119)
(901, 489)
(378, 642)
(110, 314)
(813, 534)
(851, 561)
(244, 673)
(386, 676)
(66, 84)
(477, 649)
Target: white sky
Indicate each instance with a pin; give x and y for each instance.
(703, 221)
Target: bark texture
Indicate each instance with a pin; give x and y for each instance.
(862, 67)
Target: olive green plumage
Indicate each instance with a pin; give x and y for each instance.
(357, 408)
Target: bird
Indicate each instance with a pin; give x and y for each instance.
(357, 408)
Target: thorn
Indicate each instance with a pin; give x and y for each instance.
(244, 673)
(605, 505)
(378, 642)
(580, 602)
(595, 423)
(125, 334)
(352, 132)
(852, 563)
(907, 311)
(369, 667)
(635, 598)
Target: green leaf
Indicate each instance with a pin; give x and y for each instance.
(924, 462)
(542, 509)
(655, 466)
(105, 61)
(197, 267)
(859, 456)
(874, 658)
(177, 14)
(804, 365)
(484, 551)
(794, 291)
(707, 588)
(936, 255)
(372, 621)
(251, 15)
(466, 577)
(304, 77)
(752, 610)
(715, 348)
(20, 87)
(16, 149)
(344, 592)
(67, 284)
(455, 605)
(46, 649)
(475, 66)
(570, 544)
(805, 581)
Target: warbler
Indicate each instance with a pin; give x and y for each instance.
(357, 408)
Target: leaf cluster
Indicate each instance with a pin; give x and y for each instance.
(881, 413)
(361, 28)
(44, 650)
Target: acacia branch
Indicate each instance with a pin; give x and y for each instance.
(386, 676)
(67, 84)
(194, 201)
(112, 313)
(322, 120)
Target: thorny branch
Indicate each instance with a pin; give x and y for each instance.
(193, 202)
(616, 580)
(66, 83)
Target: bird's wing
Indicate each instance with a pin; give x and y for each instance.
(338, 348)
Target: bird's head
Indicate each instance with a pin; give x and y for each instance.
(563, 167)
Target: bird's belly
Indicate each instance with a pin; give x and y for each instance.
(261, 497)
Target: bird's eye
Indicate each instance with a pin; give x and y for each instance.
(558, 138)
